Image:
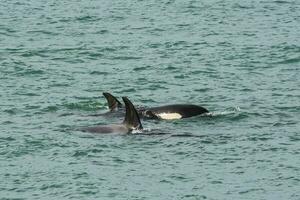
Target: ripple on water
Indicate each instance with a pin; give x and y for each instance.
(99, 73)
(84, 106)
(290, 61)
(30, 72)
(141, 68)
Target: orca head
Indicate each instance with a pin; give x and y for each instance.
(149, 114)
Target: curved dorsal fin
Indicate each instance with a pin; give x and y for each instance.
(132, 119)
(113, 102)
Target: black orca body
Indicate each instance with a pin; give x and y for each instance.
(131, 122)
(175, 111)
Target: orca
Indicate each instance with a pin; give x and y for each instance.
(130, 123)
(113, 103)
(175, 111)
(168, 112)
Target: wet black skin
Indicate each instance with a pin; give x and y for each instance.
(185, 110)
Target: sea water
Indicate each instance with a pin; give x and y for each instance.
(238, 59)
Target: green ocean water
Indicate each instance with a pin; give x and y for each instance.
(239, 59)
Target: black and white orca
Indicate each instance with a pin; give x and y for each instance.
(130, 123)
(174, 111)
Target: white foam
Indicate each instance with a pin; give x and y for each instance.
(226, 112)
(136, 131)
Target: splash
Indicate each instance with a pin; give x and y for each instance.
(230, 111)
(136, 131)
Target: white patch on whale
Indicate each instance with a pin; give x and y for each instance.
(169, 115)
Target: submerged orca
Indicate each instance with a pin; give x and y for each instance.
(113, 102)
(175, 111)
(131, 122)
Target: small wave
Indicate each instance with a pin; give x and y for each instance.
(181, 76)
(136, 131)
(46, 32)
(240, 6)
(50, 109)
(156, 87)
(149, 132)
(222, 113)
(282, 2)
(28, 71)
(102, 31)
(141, 68)
(187, 135)
(126, 57)
(289, 61)
(87, 18)
(99, 73)
(13, 111)
(128, 90)
(7, 122)
(7, 139)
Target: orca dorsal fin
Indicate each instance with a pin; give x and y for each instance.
(113, 102)
(132, 119)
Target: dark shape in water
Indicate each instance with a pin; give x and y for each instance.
(113, 102)
(131, 122)
(174, 111)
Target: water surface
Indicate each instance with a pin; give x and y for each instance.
(238, 59)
